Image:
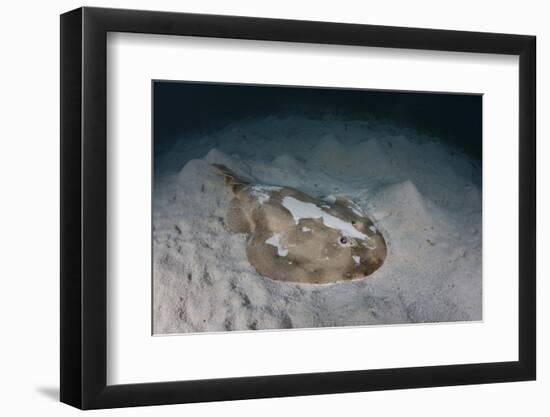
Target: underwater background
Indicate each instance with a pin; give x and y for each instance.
(411, 161)
(185, 111)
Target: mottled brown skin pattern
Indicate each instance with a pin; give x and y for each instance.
(317, 254)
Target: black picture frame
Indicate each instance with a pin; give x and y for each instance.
(84, 207)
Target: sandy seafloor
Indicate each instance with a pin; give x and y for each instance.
(422, 194)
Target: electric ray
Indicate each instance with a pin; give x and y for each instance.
(294, 237)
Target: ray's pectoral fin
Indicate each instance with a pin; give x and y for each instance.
(260, 255)
(343, 201)
(236, 218)
(266, 261)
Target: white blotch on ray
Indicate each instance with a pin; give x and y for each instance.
(275, 240)
(302, 210)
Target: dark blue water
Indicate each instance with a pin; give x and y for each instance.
(182, 109)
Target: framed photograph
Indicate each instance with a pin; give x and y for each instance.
(257, 207)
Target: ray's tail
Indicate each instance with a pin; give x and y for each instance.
(233, 180)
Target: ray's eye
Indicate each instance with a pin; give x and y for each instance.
(353, 222)
(343, 240)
